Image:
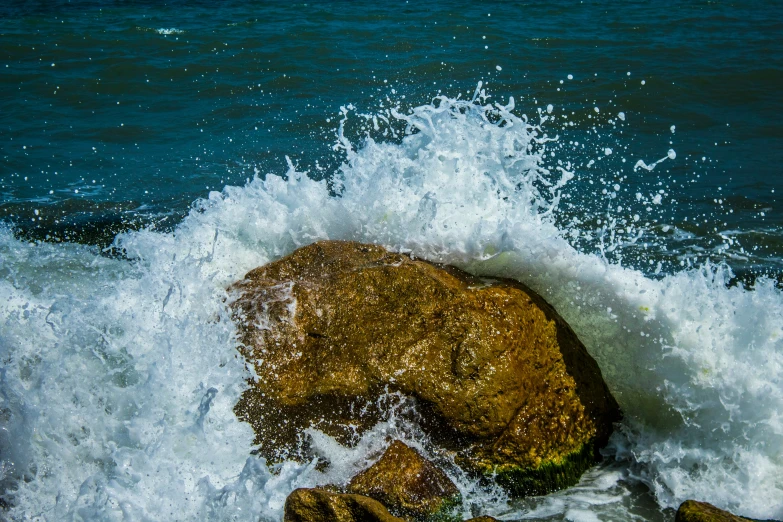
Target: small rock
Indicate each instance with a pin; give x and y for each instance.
(693, 511)
(318, 505)
(407, 484)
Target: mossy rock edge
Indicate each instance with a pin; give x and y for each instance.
(550, 476)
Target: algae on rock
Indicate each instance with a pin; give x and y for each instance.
(500, 379)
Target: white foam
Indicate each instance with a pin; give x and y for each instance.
(118, 385)
(119, 377)
(170, 30)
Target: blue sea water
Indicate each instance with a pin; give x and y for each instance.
(621, 159)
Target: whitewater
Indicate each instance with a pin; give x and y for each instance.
(120, 372)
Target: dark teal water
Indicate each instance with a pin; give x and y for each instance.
(100, 98)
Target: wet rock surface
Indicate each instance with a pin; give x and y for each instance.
(499, 378)
(693, 511)
(318, 505)
(407, 484)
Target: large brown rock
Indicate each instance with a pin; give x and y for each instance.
(499, 377)
(407, 484)
(318, 505)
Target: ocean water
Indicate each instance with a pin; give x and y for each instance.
(623, 161)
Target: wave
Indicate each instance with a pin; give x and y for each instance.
(119, 375)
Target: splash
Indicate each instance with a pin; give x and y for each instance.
(119, 375)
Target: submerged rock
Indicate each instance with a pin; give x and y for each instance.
(407, 484)
(499, 377)
(318, 505)
(693, 511)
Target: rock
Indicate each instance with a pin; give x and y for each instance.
(318, 505)
(484, 518)
(499, 378)
(407, 484)
(692, 511)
